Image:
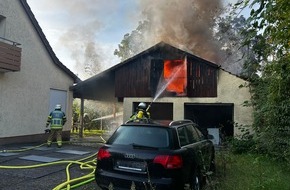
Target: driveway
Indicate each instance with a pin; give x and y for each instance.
(35, 166)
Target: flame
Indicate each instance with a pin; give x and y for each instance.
(175, 72)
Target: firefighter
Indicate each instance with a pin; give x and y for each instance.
(141, 113)
(56, 119)
(87, 122)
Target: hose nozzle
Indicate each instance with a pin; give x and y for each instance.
(148, 107)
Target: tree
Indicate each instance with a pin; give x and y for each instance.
(268, 32)
(229, 32)
(186, 24)
(132, 43)
(216, 37)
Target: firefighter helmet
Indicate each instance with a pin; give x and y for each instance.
(58, 107)
(142, 105)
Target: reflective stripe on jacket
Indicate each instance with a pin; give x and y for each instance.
(56, 119)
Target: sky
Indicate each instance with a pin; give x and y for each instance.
(85, 31)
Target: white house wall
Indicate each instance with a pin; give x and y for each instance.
(228, 92)
(24, 95)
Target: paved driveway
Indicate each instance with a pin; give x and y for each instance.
(36, 167)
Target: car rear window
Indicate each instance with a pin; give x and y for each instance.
(141, 135)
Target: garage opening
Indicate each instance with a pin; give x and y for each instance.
(158, 111)
(214, 117)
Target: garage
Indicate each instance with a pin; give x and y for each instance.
(180, 85)
(216, 117)
(158, 111)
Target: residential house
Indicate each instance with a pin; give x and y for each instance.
(32, 79)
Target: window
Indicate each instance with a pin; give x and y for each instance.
(2, 26)
(182, 135)
(175, 75)
(199, 133)
(194, 135)
(189, 134)
(143, 136)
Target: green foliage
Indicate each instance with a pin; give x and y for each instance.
(76, 111)
(132, 43)
(94, 110)
(91, 133)
(249, 171)
(269, 36)
(244, 142)
(229, 32)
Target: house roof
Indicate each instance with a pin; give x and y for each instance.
(46, 43)
(87, 89)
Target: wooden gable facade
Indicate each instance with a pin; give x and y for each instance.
(206, 97)
(141, 75)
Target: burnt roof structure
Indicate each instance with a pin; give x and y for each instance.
(105, 82)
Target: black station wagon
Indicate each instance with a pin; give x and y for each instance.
(155, 156)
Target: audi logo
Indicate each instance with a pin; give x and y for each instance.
(130, 156)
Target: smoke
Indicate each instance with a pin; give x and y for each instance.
(85, 29)
(187, 24)
(85, 20)
(84, 49)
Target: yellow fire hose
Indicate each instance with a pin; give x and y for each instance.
(90, 164)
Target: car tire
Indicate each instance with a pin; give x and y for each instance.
(195, 183)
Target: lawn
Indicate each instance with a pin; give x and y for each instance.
(249, 172)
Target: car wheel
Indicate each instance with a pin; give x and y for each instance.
(195, 182)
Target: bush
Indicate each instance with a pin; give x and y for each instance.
(239, 146)
(243, 143)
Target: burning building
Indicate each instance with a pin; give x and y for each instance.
(180, 85)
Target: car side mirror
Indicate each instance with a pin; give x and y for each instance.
(210, 137)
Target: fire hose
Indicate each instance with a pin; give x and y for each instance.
(85, 163)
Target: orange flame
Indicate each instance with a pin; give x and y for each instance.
(175, 72)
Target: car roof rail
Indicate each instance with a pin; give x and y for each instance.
(178, 122)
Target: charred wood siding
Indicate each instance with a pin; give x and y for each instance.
(202, 79)
(157, 66)
(132, 80)
(140, 76)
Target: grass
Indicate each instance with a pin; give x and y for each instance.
(92, 132)
(249, 172)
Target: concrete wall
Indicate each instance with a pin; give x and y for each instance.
(228, 92)
(24, 95)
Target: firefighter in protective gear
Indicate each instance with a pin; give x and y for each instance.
(56, 119)
(141, 113)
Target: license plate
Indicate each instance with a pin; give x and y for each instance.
(131, 165)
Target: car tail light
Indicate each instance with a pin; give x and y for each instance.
(169, 161)
(103, 153)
